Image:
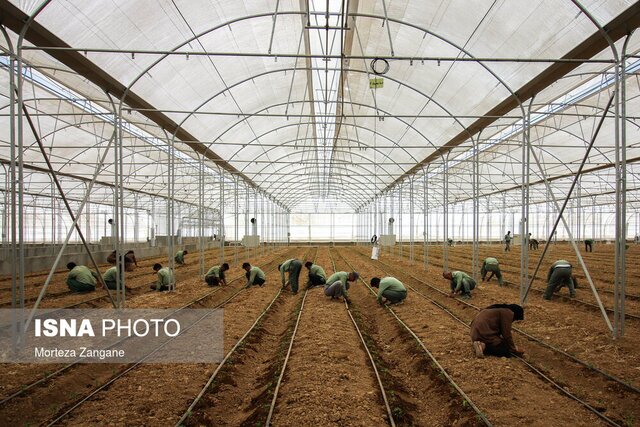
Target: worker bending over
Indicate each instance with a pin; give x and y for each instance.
(179, 258)
(254, 275)
(293, 267)
(461, 283)
(111, 278)
(130, 262)
(560, 274)
(390, 290)
(491, 330)
(81, 278)
(166, 278)
(533, 243)
(491, 265)
(588, 245)
(317, 276)
(215, 275)
(338, 285)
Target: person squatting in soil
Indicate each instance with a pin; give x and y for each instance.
(111, 278)
(215, 275)
(179, 258)
(588, 245)
(560, 274)
(166, 278)
(317, 276)
(491, 265)
(81, 278)
(293, 267)
(130, 261)
(460, 282)
(507, 241)
(533, 243)
(338, 285)
(254, 275)
(491, 330)
(390, 290)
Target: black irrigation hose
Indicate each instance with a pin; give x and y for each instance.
(373, 363)
(530, 366)
(462, 394)
(47, 377)
(215, 373)
(531, 337)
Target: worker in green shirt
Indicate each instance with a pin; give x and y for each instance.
(179, 258)
(588, 245)
(215, 275)
(507, 241)
(390, 290)
(255, 276)
(338, 285)
(493, 266)
(560, 274)
(110, 278)
(81, 278)
(317, 276)
(293, 267)
(461, 283)
(166, 278)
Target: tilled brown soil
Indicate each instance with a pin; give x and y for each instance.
(329, 379)
(581, 331)
(503, 388)
(612, 399)
(43, 402)
(418, 394)
(157, 394)
(510, 267)
(600, 263)
(58, 294)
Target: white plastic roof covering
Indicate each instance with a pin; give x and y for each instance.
(257, 112)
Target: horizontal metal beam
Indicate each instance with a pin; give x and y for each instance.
(620, 26)
(14, 19)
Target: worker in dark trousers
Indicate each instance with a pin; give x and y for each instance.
(179, 258)
(390, 290)
(588, 245)
(533, 243)
(560, 274)
(81, 278)
(450, 242)
(317, 276)
(461, 283)
(255, 275)
(215, 275)
(166, 278)
(491, 265)
(491, 330)
(293, 267)
(507, 241)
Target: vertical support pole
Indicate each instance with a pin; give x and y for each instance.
(445, 216)
(425, 204)
(411, 221)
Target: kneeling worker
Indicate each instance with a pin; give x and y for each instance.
(560, 274)
(493, 266)
(166, 278)
(389, 288)
(81, 278)
(293, 267)
(338, 284)
(461, 283)
(317, 276)
(179, 258)
(491, 330)
(255, 276)
(110, 278)
(215, 275)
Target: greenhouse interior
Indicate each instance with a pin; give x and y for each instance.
(353, 212)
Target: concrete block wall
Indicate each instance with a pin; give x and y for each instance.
(40, 257)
